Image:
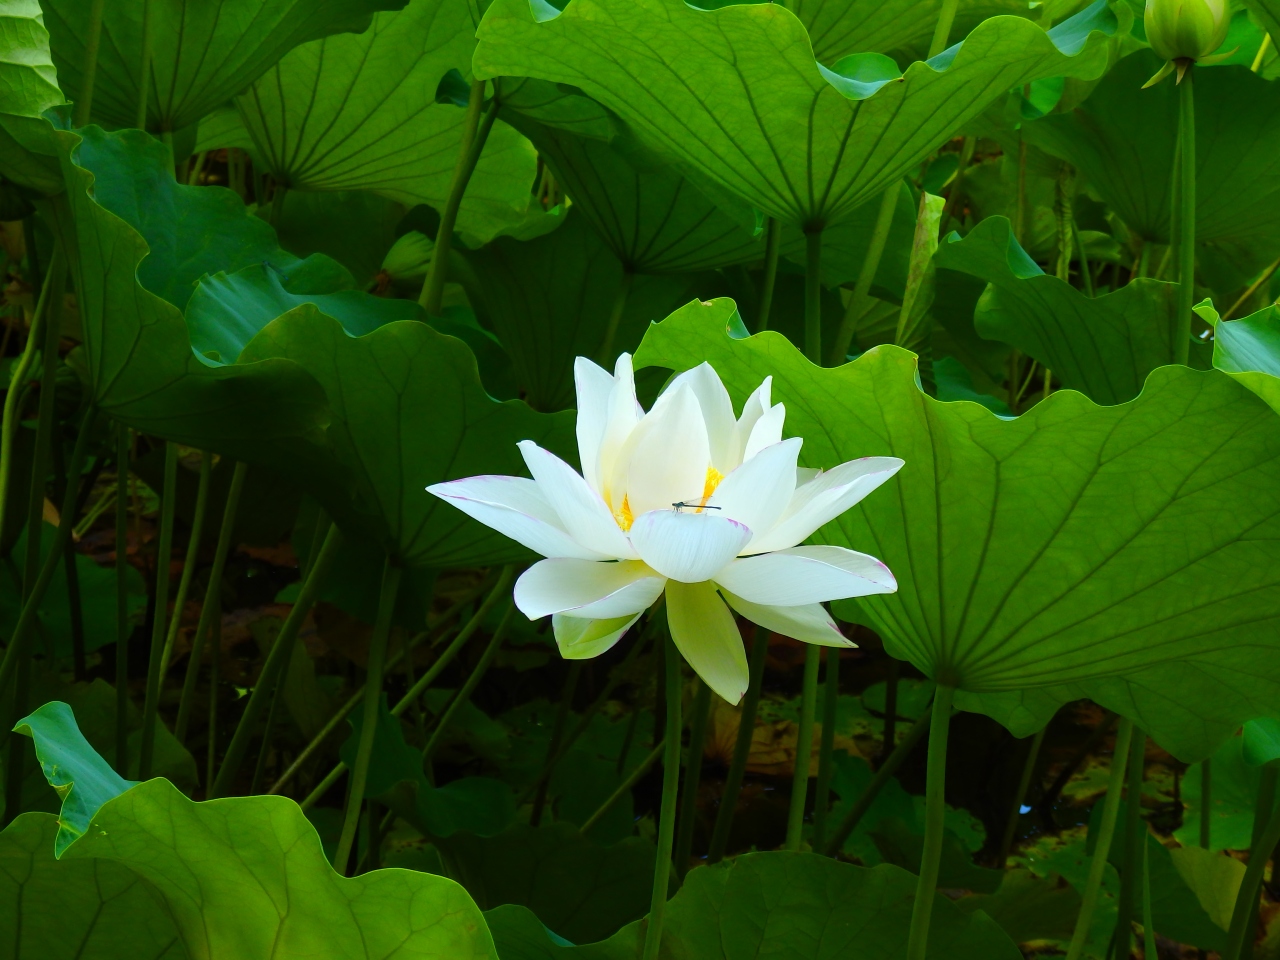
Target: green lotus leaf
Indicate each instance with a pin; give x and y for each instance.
(651, 218)
(1122, 141)
(28, 87)
(789, 906)
(140, 366)
(76, 909)
(202, 53)
(1248, 349)
(1268, 14)
(1233, 795)
(359, 112)
(552, 298)
(407, 410)
(1121, 553)
(1261, 741)
(1104, 347)
(735, 95)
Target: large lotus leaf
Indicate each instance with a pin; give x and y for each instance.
(246, 876)
(899, 28)
(76, 909)
(551, 299)
(736, 96)
(1249, 350)
(651, 218)
(1123, 553)
(1268, 14)
(785, 906)
(1103, 347)
(408, 410)
(28, 87)
(580, 889)
(1122, 140)
(360, 113)
(139, 360)
(203, 51)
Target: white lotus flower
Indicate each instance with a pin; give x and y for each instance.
(688, 500)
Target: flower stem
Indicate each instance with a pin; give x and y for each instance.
(772, 240)
(830, 713)
(159, 616)
(692, 777)
(606, 355)
(1187, 216)
(942, 32)
(123, 628)
(472, 681)
(934, 811)
(280, 653)
(372, 696)
(1148, 928)
(1019, 796)
(813, 295)
(479, 122)
(1243, 914)
(193, 555)
(212, 606)
(1134, 836)
(667, 813)
(1101, 850)
(804, 748)
(144, 75)
(632, 779)
(866, 275)
(557, 732)
(741, 749)
(883, 775)
(1206, 800)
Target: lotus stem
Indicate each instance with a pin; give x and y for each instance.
(212, 606)
(1019, 796)
(557, 732)
(667, 813)
(882, 777)
(632, 779)
(1149, 951)
(1101, 850)
(692, 778)
(955, 194)
(888, 740)
(475, 131)
(741, 748)
(607, 345)
(1206, 802)
(866, 275)
(472, 681)
(934, 812)
(1134, 837)
(391, 573)
(279, 655)
(159, 617)
(942, 32)
(1243, 914)
(826, 745)
(90, 70)
(144, 75)
(804, 748)
(193, 556)
(772, 241)
(1187, 216)
(123, 627)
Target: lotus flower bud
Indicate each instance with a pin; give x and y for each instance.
(1186, 29)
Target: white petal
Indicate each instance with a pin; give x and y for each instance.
(583, 588)
(580, 509)
(580, 639)
(594, 385)
(685, 546)
(766, 432)
(826, 497)
(789, 578)
(517, 509)
(668, 455)
(757, 406)
(707, 637)
(717, 413)
(623, 415)
(759, 491)
(808, 623)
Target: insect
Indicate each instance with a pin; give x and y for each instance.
(681, 504)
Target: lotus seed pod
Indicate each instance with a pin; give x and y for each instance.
(1186, 29)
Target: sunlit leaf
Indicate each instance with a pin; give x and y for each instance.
(28, 87)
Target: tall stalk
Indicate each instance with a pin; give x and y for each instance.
(1187, 215)
(212, 606)
(279, 655)
(772, 241)
(479, 122)
(667, 811)
(741, 748)
(605, 356)
(123, 627)
(159, 619)
(866, 275)
(942, 30)
(89, 71)
(935, 809)
(804, 748)
(144, 74)
(468, 687)
(557, 732)
(1102, 849)
(813, 295)
(692, 778)
(826, 745)
(1243, 914)
(1206, 800)
(1135, 836)
(372, 696)
(189, 564)
(1019, 796)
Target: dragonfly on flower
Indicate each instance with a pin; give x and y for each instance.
(619, 535)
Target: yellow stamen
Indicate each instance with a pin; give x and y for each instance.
(623, 515)
(714, 477)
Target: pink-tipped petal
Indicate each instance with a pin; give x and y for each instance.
(789, 578)
(687, 546)
(582, 588)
